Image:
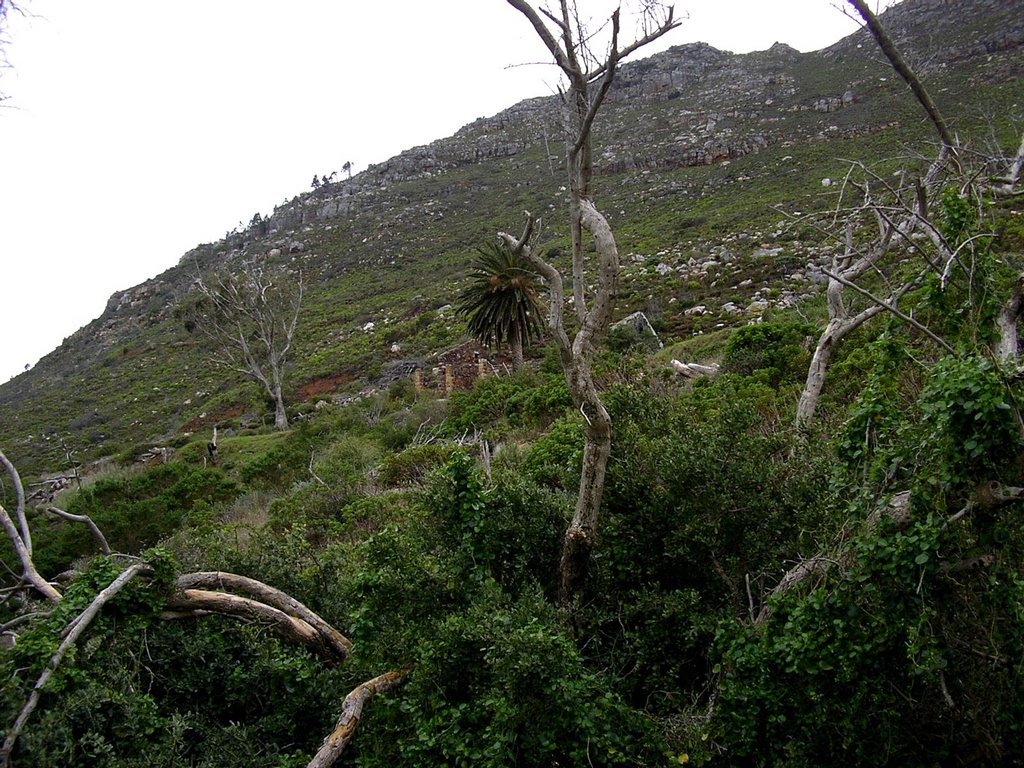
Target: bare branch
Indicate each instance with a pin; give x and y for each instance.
(333, 642)
(351, 711)
(903, 69)
(250, 318)
(78, 626)
(888, 307)
(29, 573)
(96, 532)
(581, 106)
(19, 511)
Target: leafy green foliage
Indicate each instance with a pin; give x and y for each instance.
(134, 512)
(890, 654)
(775, 352)
(377, 520)
(524, 399)
(700, 495)
(500, 304)
(502, 684)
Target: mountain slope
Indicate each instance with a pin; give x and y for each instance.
(700, 151)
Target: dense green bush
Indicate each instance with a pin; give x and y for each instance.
(414, 464)
(703, 492)
(556, 457)
(526, 398)
(907, 651)
(134, 511)
(501, 684)
(776, 352)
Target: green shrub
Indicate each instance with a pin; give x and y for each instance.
(133, 512)
(525, 398)
(556, 457)
(777, 352)
(414, 464)
(501, 684)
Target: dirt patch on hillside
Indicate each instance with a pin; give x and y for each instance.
(214, 417)
(323, 386)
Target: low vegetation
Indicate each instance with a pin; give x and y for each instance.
(761, 591)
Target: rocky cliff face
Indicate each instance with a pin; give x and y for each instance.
(719, 106)
(691, 108)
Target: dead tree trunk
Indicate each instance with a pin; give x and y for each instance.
(1008, 346)
(853, 265)
(588, 80)
(847, 267)
(888, 47)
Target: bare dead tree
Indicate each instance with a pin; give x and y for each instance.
(588, 77)
(906, 211)
(894, 222)
(250, 318)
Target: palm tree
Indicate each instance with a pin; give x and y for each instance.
(500, 303)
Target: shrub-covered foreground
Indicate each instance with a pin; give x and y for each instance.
(900, 641)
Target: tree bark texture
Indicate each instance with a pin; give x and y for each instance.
(351, 711)
(333, 642)
(588, 81)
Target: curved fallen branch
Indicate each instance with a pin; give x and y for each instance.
(351, 711)
(326, 637)
(195, 594)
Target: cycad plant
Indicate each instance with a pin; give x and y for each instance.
(500, 303)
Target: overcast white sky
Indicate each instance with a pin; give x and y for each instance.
(136, 129)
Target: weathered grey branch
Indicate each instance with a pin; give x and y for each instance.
(88, 522)
(77, 627)
(1008, 346)
(693, 370)
(332, 642)
(987, 495)
(351, 711)
(19, 510)
(1007, 185)
(29, 574)
(190, 602)
(903, 69)
(888, 307)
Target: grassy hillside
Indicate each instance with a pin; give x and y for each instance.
(759, 594)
